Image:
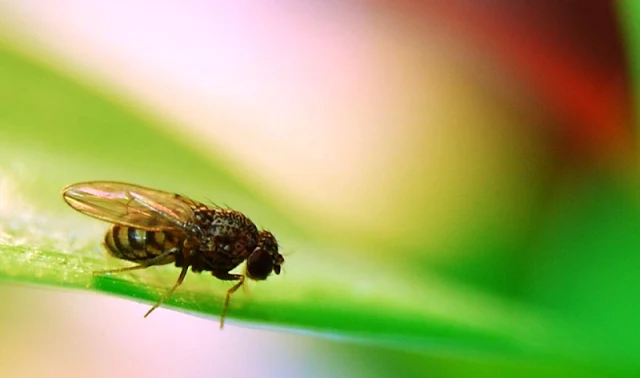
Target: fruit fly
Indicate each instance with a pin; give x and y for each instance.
(152, 227)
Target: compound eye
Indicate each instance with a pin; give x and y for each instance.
(259, 265)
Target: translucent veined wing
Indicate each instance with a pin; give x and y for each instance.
(131, 205)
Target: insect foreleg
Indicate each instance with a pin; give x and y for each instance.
(229, 277)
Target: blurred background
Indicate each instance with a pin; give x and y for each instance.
(472, 165)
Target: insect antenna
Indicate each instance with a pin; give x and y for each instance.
(287, 255)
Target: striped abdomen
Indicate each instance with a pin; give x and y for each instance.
(138, 245)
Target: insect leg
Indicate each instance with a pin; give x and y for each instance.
(229, 277)
(145, 264)
(166, 295)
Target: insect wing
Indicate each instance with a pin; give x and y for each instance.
(130, 205)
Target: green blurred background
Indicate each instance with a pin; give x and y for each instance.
(454, 185)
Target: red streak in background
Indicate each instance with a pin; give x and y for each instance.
(592, 104)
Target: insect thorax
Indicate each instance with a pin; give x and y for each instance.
(227, 234)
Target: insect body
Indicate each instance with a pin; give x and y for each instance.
(151, 227)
